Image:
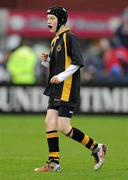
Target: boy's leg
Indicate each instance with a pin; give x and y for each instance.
(64, 118)
(98, 150)
(53, 142)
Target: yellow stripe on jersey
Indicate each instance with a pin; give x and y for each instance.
(53, 43)
(54, 40)
(68, 82)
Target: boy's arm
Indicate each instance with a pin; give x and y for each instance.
(65, 74)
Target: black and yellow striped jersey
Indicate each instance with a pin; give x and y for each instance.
(65, 51)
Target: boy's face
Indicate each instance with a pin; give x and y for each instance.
(52, 22)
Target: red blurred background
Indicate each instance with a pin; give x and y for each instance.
(74, 5)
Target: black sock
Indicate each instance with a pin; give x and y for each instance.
(53, 144)
(84, 139)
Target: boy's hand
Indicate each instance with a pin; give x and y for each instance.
(55, 80)
(43, 57)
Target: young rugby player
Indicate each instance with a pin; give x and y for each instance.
(65, 61)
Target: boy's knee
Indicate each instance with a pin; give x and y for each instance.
(64, 128)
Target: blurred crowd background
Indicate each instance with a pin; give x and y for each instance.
(106, 57)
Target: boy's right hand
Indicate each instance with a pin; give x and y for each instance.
(43, 57)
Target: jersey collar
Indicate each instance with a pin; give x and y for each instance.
(62, 31)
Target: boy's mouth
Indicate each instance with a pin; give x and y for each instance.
(50, 26)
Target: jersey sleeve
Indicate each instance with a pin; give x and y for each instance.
(68, 72)
(74, 50)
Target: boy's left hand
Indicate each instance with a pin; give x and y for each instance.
(55, 80)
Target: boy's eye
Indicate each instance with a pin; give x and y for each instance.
(52, 18)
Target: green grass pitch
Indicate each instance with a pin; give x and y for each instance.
(23, 147)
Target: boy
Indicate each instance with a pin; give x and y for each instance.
(65, 61)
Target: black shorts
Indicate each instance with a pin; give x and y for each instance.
(63, 110)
